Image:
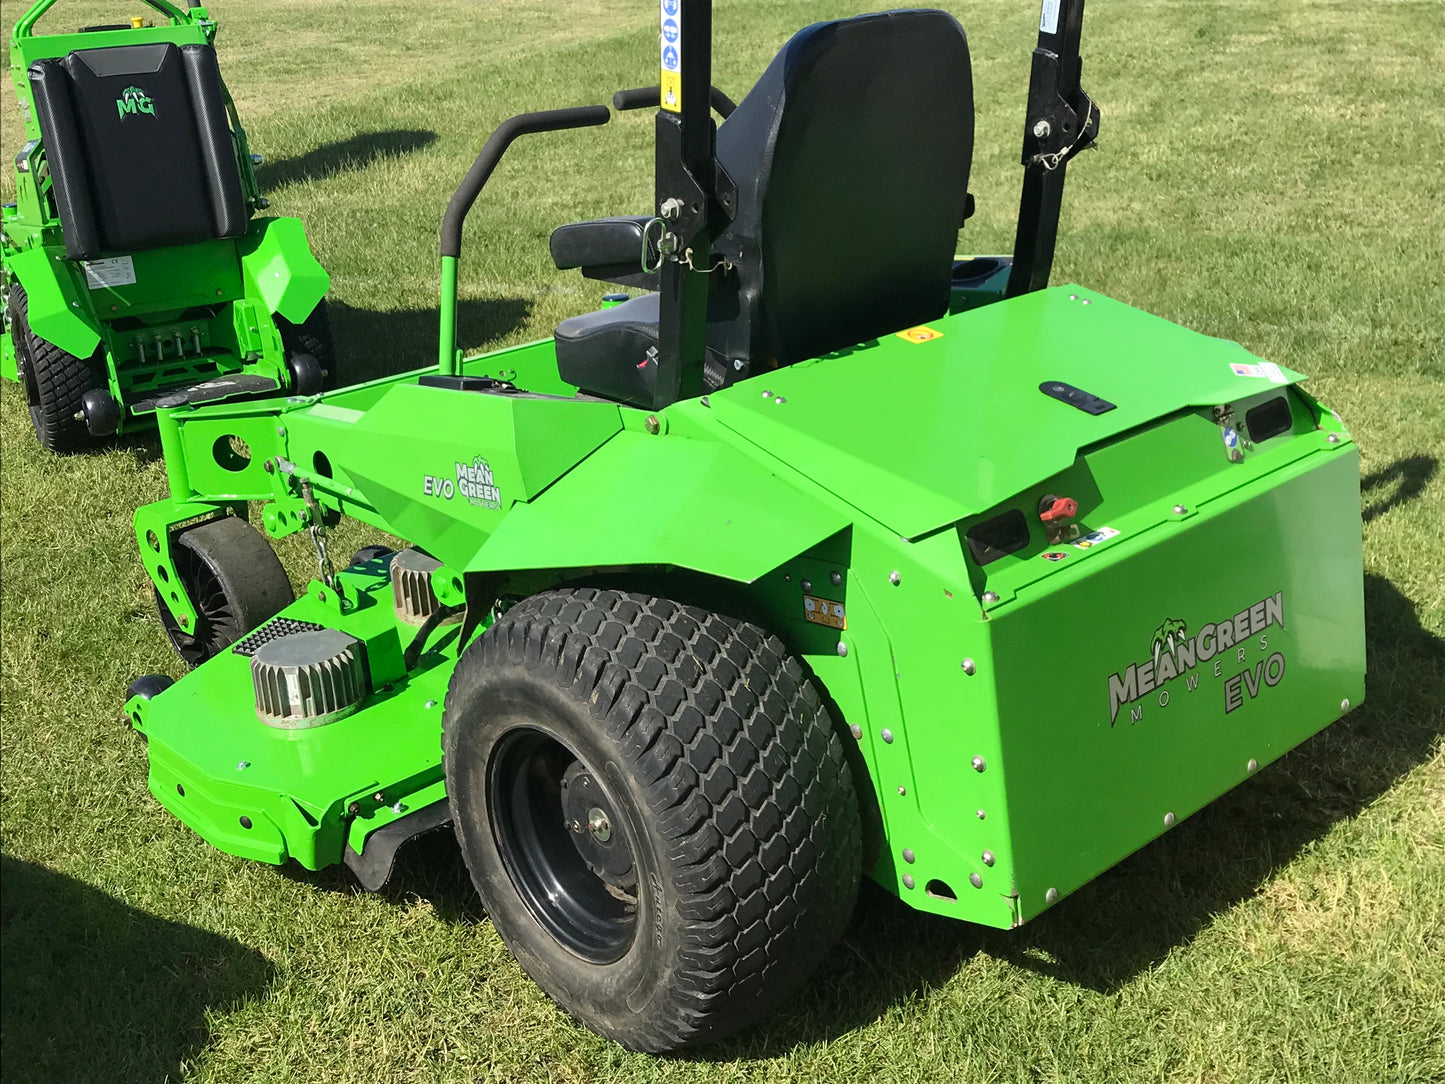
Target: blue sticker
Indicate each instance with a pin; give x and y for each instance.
(669, 30)
(669, 7)
(669, 59)
(1231, 438)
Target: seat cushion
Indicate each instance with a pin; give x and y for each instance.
(139, 148)
(613, 352)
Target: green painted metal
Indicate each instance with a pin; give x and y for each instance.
(152, 332)
(447, 338)
(856, 494)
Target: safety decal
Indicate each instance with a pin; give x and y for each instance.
(670, 41)
(920, 334)
(473, 480)
(1241, 369)
(1054, 555)
(1093, 538)
(1049, 17)
(821, 611)
(1238, 642)
(116, 271)
(1272, 371)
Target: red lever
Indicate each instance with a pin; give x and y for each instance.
(1061, 509)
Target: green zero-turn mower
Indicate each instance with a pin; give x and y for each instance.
(133, 270)
(830, 555)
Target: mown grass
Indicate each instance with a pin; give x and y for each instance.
(1268, 173)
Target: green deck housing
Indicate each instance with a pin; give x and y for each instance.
(1021, 724)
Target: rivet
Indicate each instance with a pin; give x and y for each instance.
(398, 808)
(908, 881)
(1073, 297)
(908, 855)
(836, 578)
(887, 736)
(1345, 704)
(704, 401)
(1252, 766)
(652, 425)
(1086, 301)
(902, 791)
(354, 808)
(969, 667)
(894, 578)
(981, 814)
(988, 858)
(990, 596)
(767, 395)
(779, 400)
(975, 880)
(1051, 896)
(856, 731)
(1168, 820)
(1333, 438)
(280, 430)
(807, 586)
(379, 798)
(430, 704)
(842, 650)
(979, 764)
(1042, 129)
(1179, 510)
(737, 365)
(242, 765)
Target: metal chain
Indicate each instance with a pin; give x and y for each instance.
(316, 527)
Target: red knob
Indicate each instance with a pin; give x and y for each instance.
(1062, 508)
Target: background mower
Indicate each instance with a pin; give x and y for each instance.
(133, 270)
(830, 556)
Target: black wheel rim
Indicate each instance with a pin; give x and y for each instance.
(579, 888)
(213, 609)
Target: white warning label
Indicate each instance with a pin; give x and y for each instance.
(1049, 17)
(117, 271)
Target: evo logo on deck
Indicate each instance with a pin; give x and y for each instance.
(473, 481)
(135, 100)
(1178, 654)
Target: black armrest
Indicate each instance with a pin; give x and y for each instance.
(603, 242)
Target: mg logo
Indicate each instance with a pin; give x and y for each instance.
(134, 100)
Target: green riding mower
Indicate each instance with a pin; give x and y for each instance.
(830, 555)
(134, 273)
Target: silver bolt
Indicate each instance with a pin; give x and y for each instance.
(737, 365)
(969, 667)
(398, 808)
(241, 766)
(1252, 766)
(1051, 896)
(704, 401)
(430, 704)
(1168, 820)
(1073, 297)
(908, 855)
(988, 858)
(280, 430)
(652, 425)
(767, 395)
(1345, 704)
(979, 764)
(379, 798)
(780, 400)
(836, 578)
(598, 825)
(981, 814)
(1179, 510)
(842, 650)
(856, 731)
(1042, 129)
(908, 881)
(887, 736)
(894, 578)
(807, 586)
(902, 791)
(975, 880)
(1086, 301)
(1333, 438)
(990, 596)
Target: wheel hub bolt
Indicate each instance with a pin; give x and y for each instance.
(599, 825)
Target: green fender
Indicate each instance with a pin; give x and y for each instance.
(59, 313)
(280, 269)
(662, 500)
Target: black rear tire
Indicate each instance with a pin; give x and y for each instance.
(655, 808)
(232, 577)
(55, 381)
(312, 336)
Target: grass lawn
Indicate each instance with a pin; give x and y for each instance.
(1268, 172)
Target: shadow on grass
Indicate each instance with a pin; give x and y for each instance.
(98, 991)
(1409, 477)
(370, 344)
(345, 155)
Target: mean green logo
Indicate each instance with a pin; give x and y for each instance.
(1165, 635)
(135, 100)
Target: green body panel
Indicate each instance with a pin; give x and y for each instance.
(844, 486)
(193, 312)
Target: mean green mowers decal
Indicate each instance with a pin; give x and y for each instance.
(474, 481)
(135, 100)
(1179, 654)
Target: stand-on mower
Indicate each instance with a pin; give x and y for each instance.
(779, 574)
(133, 272)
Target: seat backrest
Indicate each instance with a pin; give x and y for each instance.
(852, 156)
(139, 148)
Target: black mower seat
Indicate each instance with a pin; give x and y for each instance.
(851, 157)
(139, 148)
(601, 245)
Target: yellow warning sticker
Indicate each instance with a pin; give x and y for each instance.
(920, 334)
(821, 611)
(671, 91)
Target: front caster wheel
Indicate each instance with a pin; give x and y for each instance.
(654, 805)
(232, 577)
